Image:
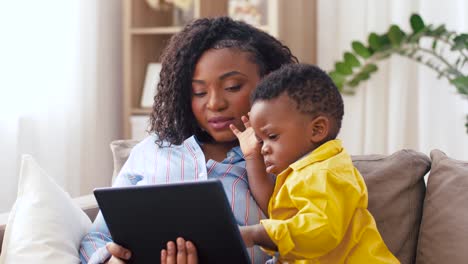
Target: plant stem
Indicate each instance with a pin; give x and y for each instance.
(454, 69)
(447, 41)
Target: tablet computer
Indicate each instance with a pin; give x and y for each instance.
(144, 218)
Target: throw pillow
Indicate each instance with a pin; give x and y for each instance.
(395, 184)
(444, 226)
(45, 225)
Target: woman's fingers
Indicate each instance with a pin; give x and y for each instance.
(164, 256)
(115, 260)
(171, 253)
(192, 257)
(182, 253)
(118, 251)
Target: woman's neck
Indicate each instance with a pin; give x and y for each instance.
(217, 151)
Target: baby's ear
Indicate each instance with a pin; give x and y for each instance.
(320, 127)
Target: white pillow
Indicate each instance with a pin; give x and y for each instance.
(45, 225)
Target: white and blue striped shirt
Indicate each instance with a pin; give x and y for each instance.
(148, 164)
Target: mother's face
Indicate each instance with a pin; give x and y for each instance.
(221, 88)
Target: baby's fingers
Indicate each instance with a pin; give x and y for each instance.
(246, 121)
(234, 130)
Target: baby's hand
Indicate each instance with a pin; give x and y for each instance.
(247, 140)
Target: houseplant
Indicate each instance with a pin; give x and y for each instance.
(444, 51)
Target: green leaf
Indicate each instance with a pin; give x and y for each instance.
(361, 50)
(369, 68)
(417, 24)
(395, 35)
(338, 79)
(362, 76)
(439, 31)
(353, 83)
(374, 41)
(343, 68)
(460, 42)
(461, 83)
(351, 60)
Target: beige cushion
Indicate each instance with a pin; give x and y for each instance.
(396, 191)
(120, 152)
(444, 226)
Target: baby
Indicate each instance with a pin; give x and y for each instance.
(317, 205)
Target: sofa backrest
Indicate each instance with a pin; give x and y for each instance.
(396, 190)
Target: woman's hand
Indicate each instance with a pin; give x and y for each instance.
(247, 140)
(119, 254)
(185, 253)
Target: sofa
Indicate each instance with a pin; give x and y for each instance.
(420, 222)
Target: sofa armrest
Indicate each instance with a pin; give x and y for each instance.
(87, 203)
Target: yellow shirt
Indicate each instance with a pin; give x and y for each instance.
(318, 212)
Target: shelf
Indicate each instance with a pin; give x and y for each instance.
(141, 111)
(155, 30)
(265, 28)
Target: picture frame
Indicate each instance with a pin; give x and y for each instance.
(150, 85)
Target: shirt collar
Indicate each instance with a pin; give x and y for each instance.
(323, 152)
(234, 155)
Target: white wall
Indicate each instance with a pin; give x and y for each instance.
(60, 87)
(404, 105)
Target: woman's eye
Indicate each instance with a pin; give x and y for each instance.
(198, 94)
(233, 88)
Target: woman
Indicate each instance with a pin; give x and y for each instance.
(209, 70)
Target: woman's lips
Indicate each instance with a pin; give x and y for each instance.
(220, 123)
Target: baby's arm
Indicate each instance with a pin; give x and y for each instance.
(260, 182)
(257, 235)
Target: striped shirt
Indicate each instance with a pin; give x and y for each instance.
(148, 164)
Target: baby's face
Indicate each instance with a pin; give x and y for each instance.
(282, 130)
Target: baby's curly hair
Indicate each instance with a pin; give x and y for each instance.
(309, 87)
(172, 118)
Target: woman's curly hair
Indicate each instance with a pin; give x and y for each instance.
(172, 119)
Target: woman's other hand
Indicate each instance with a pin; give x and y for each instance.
(184, 253)
(248, 142)
(119, 254)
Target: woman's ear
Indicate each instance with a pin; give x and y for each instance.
(320, 128)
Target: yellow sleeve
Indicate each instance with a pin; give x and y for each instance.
(325, 205)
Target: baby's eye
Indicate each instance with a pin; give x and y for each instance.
(233, 88)
(272, 136)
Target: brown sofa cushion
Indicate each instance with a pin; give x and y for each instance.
(444, 226)
(396, 192)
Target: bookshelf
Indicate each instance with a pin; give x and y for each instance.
(146, 31)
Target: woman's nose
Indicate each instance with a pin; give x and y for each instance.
(216, 102)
